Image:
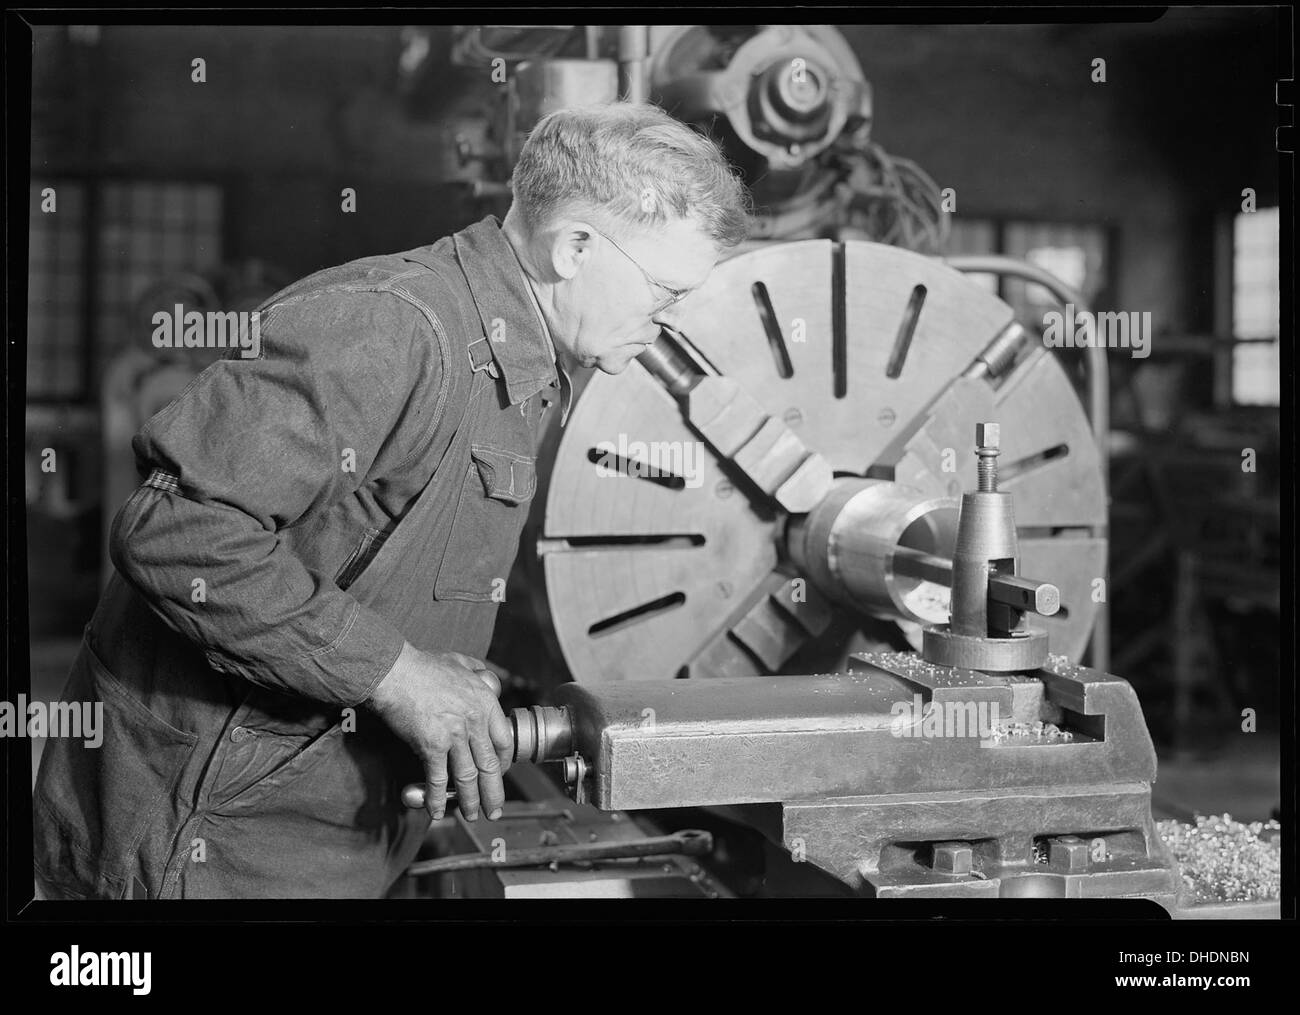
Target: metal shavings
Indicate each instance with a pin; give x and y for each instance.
(1224, 860)
(1042, 730)
(1062, 667)
(913, 667)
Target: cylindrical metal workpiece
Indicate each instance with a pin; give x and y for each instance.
(542, 733)
(847, 545)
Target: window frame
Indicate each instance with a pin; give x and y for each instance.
(1001, 223)
(93, 186)
(1225, 331)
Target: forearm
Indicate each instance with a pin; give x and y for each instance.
(252, 606)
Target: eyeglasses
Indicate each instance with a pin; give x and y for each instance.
(674, 295)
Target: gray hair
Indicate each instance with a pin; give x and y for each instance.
(635, 164)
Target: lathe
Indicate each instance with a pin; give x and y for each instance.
(826, 559)
(914, 461)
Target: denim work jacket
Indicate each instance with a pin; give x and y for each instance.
(361, 483)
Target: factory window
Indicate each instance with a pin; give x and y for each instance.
(1256, 366)
(148, 232)
(975, 236)
(1077, 254)
(56, 293)
(93, 259)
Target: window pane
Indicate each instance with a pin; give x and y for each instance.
(1256, 373)
(974, 236)
(55, 361)
(1255, 274)
(1075, 253)
(1256, 300)
(157, 231)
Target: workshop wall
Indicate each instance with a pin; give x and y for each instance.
(1011, 118)
(1008, 116)
(285, 120)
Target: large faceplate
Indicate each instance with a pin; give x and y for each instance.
(860, 349)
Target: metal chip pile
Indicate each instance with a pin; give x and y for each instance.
(1045, 730)
(1224, 860)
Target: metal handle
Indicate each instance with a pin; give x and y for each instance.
(691, 842)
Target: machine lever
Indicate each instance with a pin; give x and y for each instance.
(690, 842)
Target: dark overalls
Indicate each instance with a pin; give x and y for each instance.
(262, 590)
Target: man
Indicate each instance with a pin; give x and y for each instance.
(304, 584)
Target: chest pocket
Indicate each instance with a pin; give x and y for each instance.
(490, 515)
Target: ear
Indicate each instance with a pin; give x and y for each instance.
(572, 246)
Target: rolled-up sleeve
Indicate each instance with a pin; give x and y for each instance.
(255, 446)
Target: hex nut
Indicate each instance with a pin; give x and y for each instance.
(988, 435)
(953, 858)
(1069, 853)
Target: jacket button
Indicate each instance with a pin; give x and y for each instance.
(239, 734)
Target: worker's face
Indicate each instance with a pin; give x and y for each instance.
(607, 310)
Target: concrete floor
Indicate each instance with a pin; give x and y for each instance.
(1242, 778)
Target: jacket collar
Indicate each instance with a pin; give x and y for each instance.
(517, 334)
